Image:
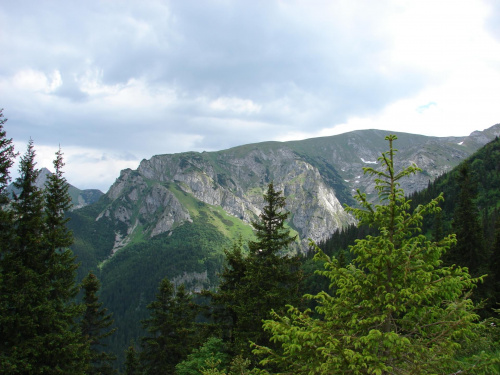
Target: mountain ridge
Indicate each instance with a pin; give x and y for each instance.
(317, 176)
(79, 198)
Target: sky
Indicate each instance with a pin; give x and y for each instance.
(114, 82)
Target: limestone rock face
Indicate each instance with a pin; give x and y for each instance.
(317, 176)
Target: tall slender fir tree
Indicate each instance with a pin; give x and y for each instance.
(96, 326)
(7, 156)
(267, 278)
(171, 329)
(38, 328)
(132, 364)
(469, 250)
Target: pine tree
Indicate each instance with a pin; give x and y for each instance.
(494, 263)
(267, 278)
(132, 364)
(96, 326)
(230, 293)
(28, 207)
(273, 275)
(272, 236)
(171, 330)
(470, 250)
(394, 309)
(7, 156)
(38, 329)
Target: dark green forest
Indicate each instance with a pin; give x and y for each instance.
(413, 289)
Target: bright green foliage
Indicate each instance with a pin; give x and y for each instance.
(38, 315)
(394, 309)
(96, 326)
(238, 366)
(212, 351)
(171, 330)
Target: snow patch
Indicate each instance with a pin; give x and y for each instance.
(460, 143)
(368, 162)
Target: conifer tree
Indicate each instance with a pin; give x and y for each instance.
(494, 263)
(28, 207)
(273, 276)
(6, 239)
(7, 156)
(171, 330)
(230, 292)
(38, 329)
(272, 236)
(394, 309)
(96, 326)
(265, 279)
(132, 364)
(470, 250)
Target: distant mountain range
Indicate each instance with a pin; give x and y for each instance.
(316, 175)
(173, 216)
(79, 198)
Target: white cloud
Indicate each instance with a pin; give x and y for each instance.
(237, 105)
(34, 81)
(85, 168)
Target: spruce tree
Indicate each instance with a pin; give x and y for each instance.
(494, 263)
(272, 235)
(470, 249)
(273, 275)
(230, 293)
(28, 207)
(38, 329)
(6, 239)
(171, 330)
(7, 156)
(96, 326)
(132, 364)
(394, 309)
(267, 278)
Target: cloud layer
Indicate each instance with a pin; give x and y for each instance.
(113, 82)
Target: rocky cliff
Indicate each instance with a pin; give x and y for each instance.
(317, 176)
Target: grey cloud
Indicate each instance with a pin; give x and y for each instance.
(301, 71)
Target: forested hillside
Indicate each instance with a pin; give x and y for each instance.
(176, 214)
(192, 299)
(45, 328)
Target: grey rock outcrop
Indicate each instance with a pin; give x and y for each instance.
(317, 176)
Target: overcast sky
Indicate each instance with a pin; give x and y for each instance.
(114, 82)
